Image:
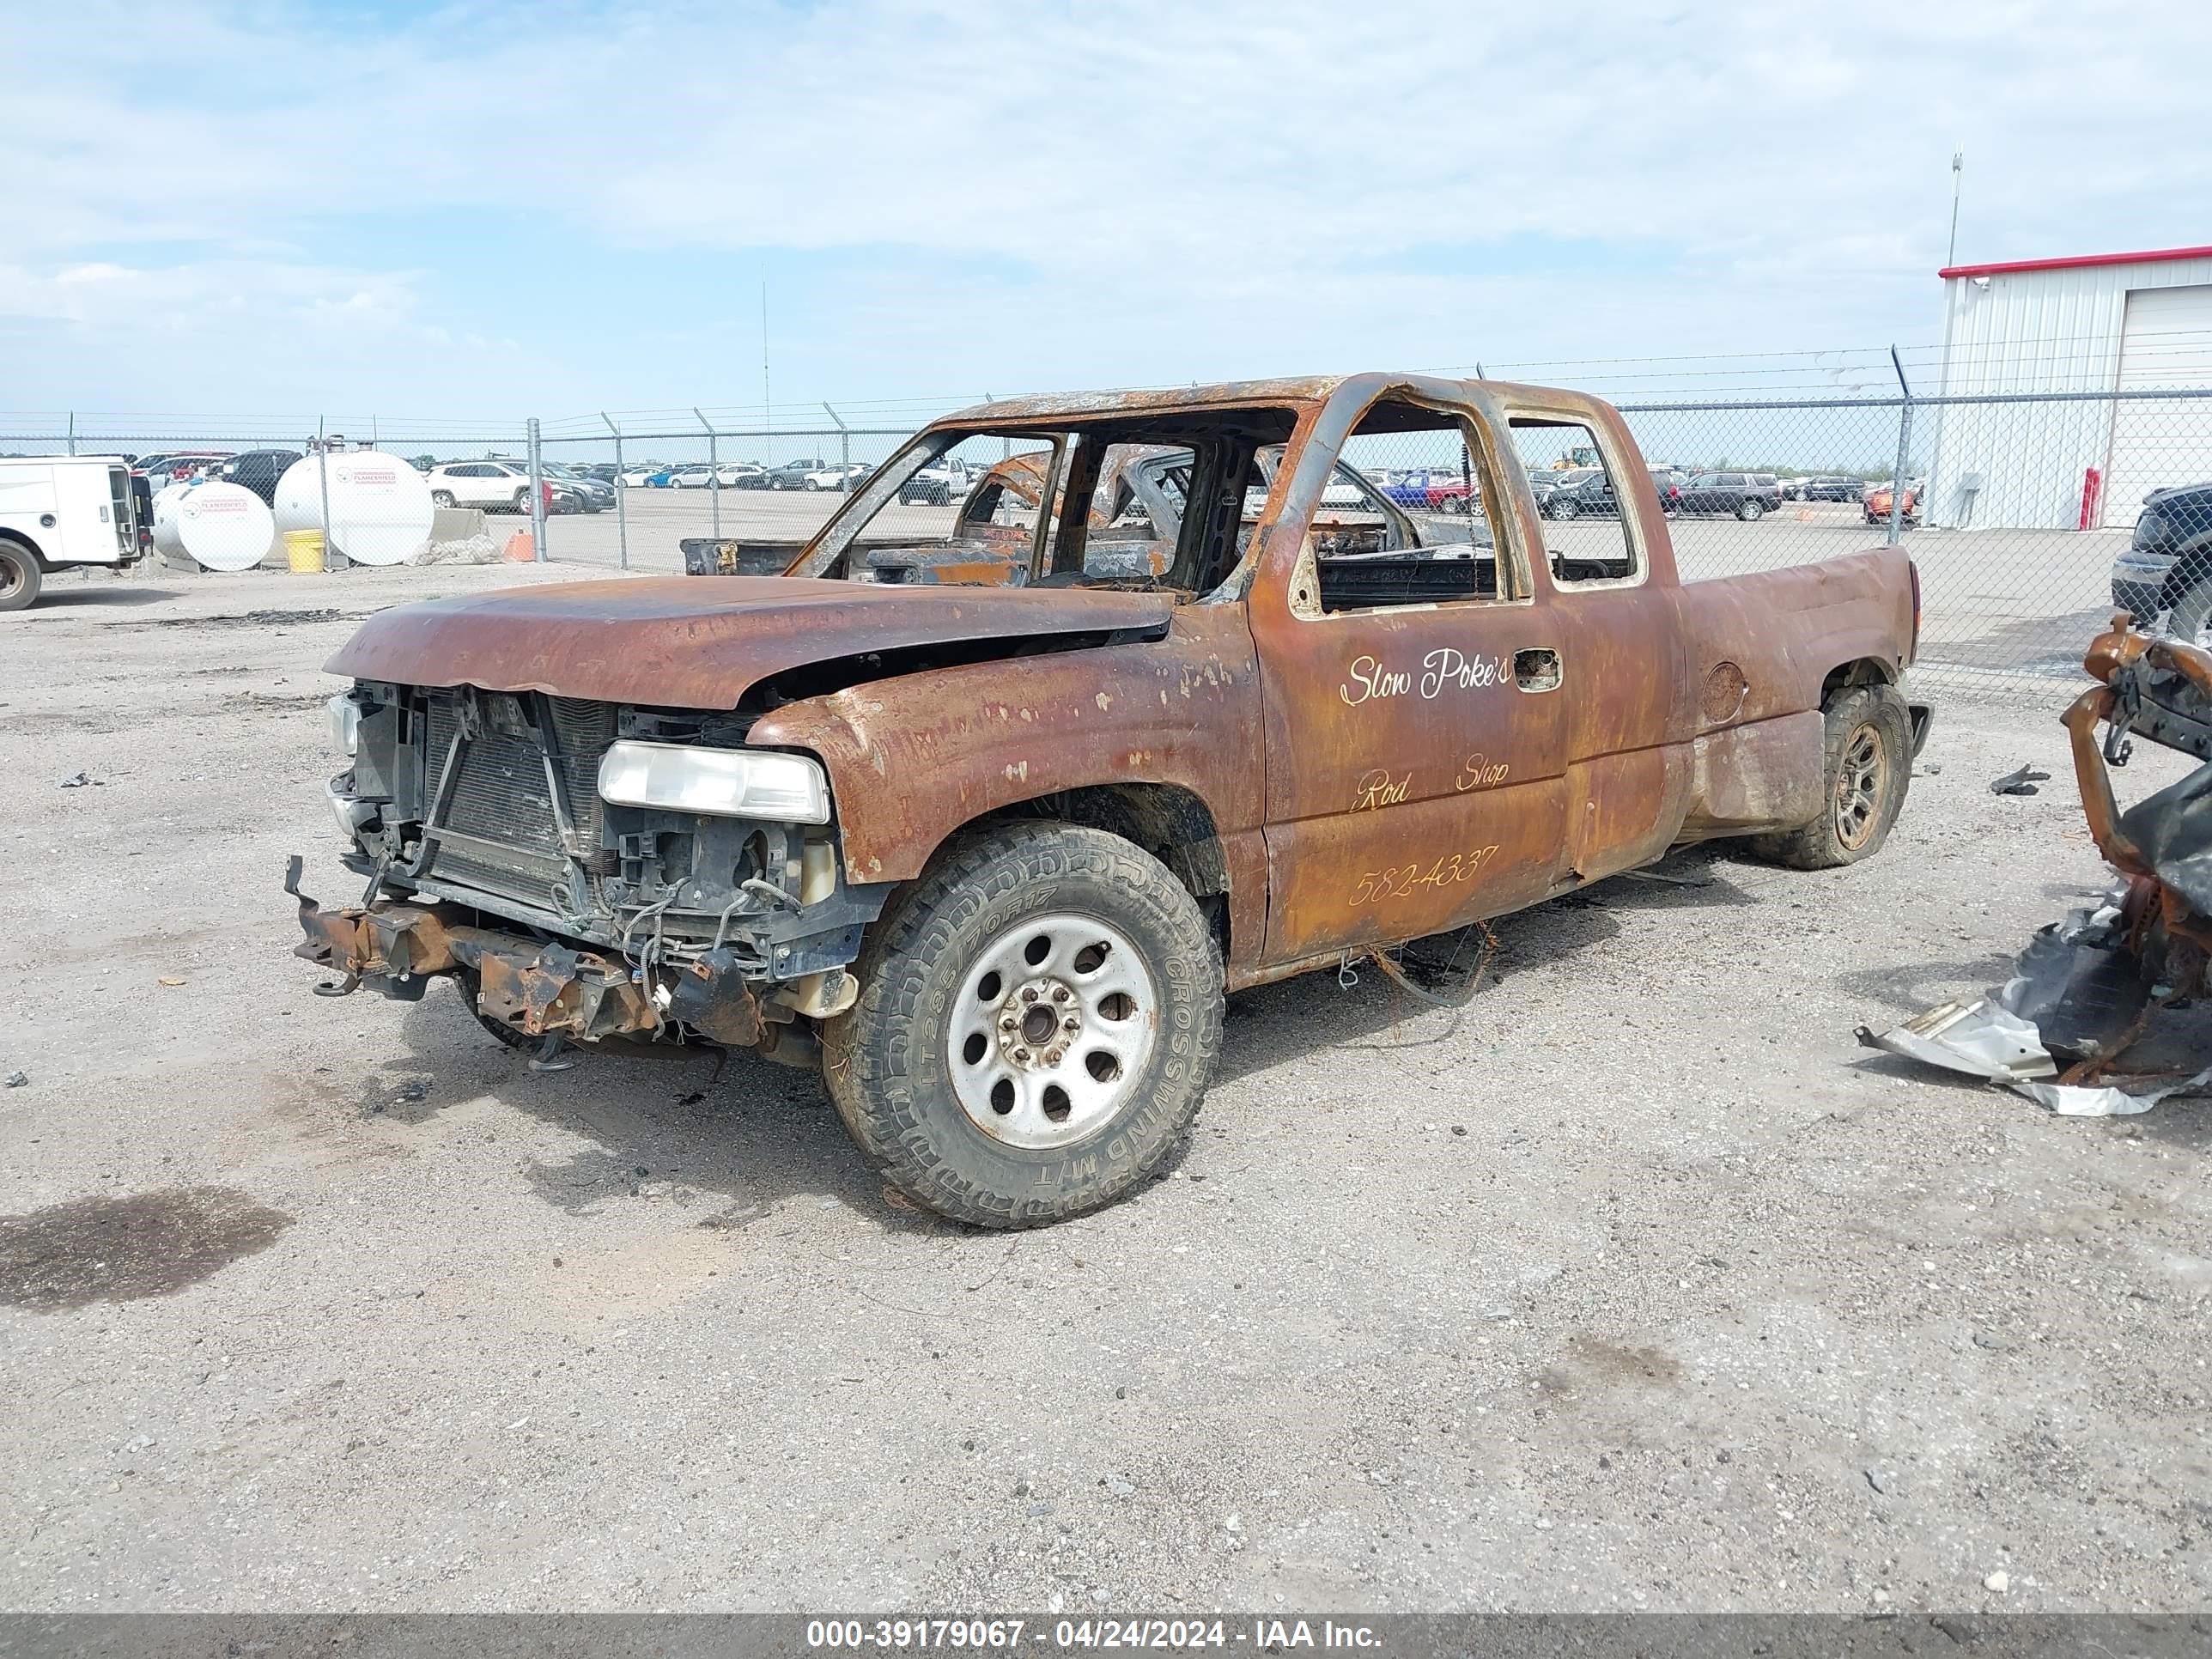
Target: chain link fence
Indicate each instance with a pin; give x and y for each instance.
(2016, 508)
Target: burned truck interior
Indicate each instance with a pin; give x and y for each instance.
(1121, 493)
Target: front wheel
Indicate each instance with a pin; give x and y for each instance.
(1749, 510)
(20, 577)
(442, 498)
(1565, 509)
(1867, 766)
(1038, 1019)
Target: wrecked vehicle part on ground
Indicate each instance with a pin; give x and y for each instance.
(2084, 990)
(999, 845)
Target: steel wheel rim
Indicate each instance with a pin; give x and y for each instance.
(1861, 782)
(12, 579)
(1050, 1029)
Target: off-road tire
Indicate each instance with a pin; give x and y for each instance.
(19, 576)
(887, 1061)
(1868, 711)
(1750, 510)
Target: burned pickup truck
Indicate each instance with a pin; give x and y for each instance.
(983, 810)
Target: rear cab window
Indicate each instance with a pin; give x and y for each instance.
(1592, 536)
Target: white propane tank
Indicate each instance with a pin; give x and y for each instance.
(223, 527)
(379, 505)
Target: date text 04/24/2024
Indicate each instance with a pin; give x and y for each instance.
(1009, 1635)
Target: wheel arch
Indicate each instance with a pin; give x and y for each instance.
(1174, 823)
(18, 537)
(1848, 676)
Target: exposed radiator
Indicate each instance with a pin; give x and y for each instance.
(500, 798)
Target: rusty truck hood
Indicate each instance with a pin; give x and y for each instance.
(683, 642)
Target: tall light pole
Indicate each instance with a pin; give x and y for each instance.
(1958, 168)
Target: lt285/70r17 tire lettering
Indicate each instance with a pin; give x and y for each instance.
(936, 1072)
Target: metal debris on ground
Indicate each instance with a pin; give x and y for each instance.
(18, 1079)
(2086, 990)
(2021, 782)
(81, 781)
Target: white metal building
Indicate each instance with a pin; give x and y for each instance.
(2099, 323)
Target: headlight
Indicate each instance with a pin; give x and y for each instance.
(731, 783)
(345, 723)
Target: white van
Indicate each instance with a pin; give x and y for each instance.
(61, 512)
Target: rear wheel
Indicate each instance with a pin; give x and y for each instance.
(1565, 509)
(19, 576)
(1038, 1018)
(442, 498)
(1750, 508)
(1869, 767)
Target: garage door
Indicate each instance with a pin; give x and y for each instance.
(2166, 341)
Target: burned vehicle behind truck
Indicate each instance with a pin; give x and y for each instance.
(983, 810)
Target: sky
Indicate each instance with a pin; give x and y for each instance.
(443, 213)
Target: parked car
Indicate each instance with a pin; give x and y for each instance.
(838, 474)
(1831, 487)
(793, 475)
(1590, 495)
(170, 466)
(495, 486)
(940, 483)
(639, 477)
(592, 495)
(567, 494)
(1745, 496)
(259, 469)
(810, 826)
(738, 475)
(1409, 486)
(1879, 499)
(2167, 566)
(692, 477)
(662, 477)
(1668, 483)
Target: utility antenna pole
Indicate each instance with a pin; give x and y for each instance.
(1958, 168)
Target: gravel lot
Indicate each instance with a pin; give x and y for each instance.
(1636, 1283)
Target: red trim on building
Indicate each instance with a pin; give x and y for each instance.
(2155, 257)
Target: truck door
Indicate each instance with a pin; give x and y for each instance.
(1416, 715)
(1611, 610)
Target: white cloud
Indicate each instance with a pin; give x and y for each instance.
(1150, 190)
